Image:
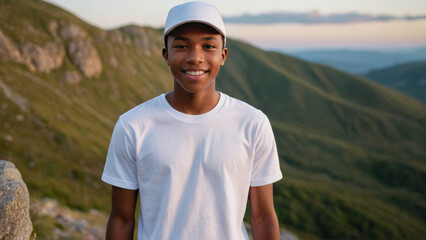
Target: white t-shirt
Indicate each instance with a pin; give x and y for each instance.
(193, 172)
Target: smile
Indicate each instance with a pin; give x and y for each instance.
(195, 73)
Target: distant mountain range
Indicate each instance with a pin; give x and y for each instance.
(360, 62)
(314, 17)
(409, 78)
(352, 151)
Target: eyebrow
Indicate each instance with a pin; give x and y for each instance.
(210, 38)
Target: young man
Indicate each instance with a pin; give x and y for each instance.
(193, 155)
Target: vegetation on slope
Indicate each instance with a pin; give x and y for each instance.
(351, 149)
(352, 152)
(409, 78)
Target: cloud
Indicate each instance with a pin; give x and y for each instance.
(380, 34)
(314, 17)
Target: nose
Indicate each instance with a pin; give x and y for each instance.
(195, 55)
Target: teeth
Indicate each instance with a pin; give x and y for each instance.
(195, 73)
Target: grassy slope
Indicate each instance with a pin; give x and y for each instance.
(352, 151)
(409, 78)
(61, 149)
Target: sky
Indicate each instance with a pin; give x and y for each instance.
(109, 14)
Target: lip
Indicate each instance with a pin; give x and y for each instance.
(197, 71)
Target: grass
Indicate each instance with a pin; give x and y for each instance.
(352, 152)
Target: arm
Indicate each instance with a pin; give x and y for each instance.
(121, 222)
(264, 221)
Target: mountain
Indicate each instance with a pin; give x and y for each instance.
(314, 17)
(409, 78)
(361, 61)
(352, 151)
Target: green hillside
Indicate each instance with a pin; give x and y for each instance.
(409, 78)
(352, 152)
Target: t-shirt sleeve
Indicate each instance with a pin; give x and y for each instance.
(120, 166)
(266, 166)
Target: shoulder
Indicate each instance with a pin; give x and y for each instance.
(244, 110)
(143, 111)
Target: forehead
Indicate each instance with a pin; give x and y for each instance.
(193, 28)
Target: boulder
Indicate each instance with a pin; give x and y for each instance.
(71, 77)
(70, 31)
(43, 59)
(85, 56)
(15, 222)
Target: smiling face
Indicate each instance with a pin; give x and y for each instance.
(194, 53)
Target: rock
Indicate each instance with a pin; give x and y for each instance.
(85, 56)
(70, 31)
(42, 59)
(140, 38)
(17, 99)
(37, 58)
(9, 138)
(74, 224)
(115, 36)
(113, 62)
(19, 118)
(71, 77)
(49, 207)
(15, 222)
(56, 53)
(53, 29)
(8, 50)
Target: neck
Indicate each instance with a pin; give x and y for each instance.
(193, 103)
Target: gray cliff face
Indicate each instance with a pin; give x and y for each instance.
(36, 58)
(67, 38)
(81, 50)
(15, 222)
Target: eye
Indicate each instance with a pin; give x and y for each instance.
(209, 46)
(181, 46)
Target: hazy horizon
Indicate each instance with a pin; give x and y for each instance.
(375, 25)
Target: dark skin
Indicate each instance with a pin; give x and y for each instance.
(194, 54)
(121, 221)
(194, 47)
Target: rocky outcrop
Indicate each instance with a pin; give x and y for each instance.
(8, 50)
(139, 35)
(15, 222)
(37, 58)
(85, 56)
(70, 31)
(73, 224)
(81, 50)
(45, 58)
(116, 37)
(42, 59)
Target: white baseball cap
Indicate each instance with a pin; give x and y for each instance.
(194, 12)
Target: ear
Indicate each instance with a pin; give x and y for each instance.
(166, 56)
(224, 54)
